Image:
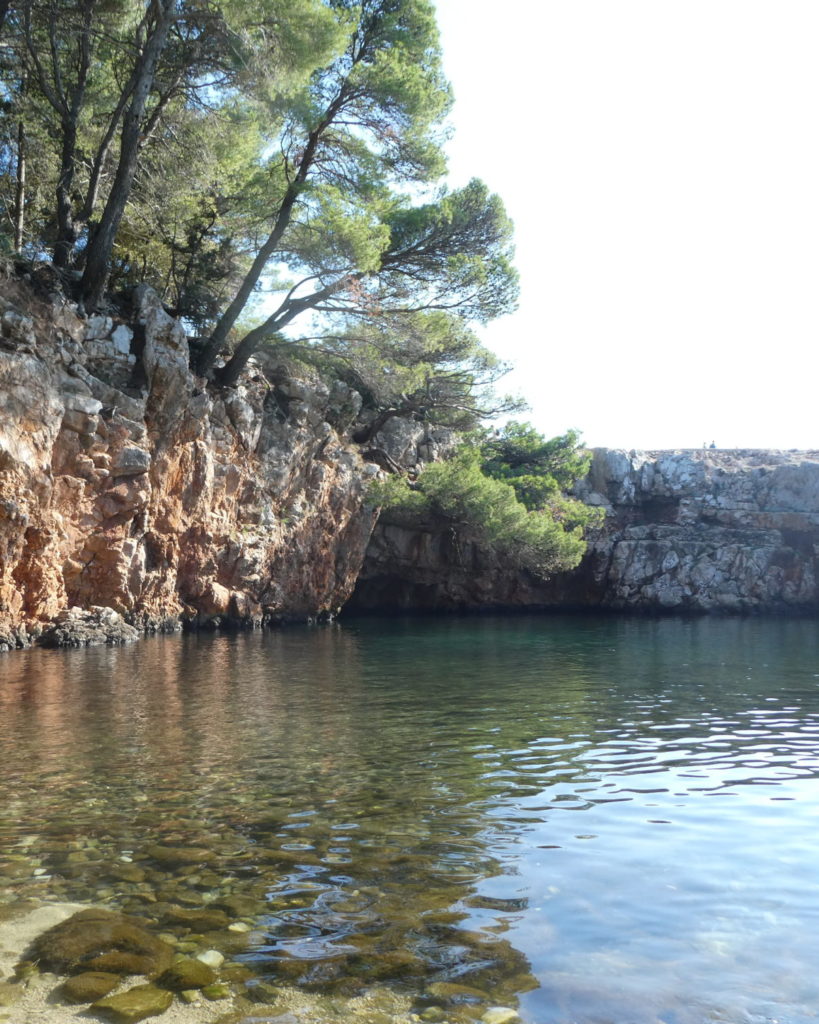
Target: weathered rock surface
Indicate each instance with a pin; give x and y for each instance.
(129, 488)
(699, 531)
(133, 497)
(77, 628)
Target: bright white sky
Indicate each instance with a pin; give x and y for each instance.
(660, 159)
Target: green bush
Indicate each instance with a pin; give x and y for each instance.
(544, 538)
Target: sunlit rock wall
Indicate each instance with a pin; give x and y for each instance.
(125, 484)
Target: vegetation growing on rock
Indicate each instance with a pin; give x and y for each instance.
(507, 487)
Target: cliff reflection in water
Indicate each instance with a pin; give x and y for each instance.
(619, 811)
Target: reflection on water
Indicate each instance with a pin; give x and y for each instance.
(621, 812)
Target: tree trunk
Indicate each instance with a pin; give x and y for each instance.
(66, 230)
(98, 255)
(20, 189)
(216, 342)
(286, 313)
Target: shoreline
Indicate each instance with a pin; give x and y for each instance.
(38, 1004)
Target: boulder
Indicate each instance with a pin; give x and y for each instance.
(89, 986)
(187, 974)
(77, 628)
(100, 940)
(136, 1004)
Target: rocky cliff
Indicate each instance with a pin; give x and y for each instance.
(700, 531)
(134, 497)
(131, 492)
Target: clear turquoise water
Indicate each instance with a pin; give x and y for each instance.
(596, 819)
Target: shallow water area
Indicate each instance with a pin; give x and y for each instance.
(587, 819)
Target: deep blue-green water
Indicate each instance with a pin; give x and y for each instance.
(593, 819)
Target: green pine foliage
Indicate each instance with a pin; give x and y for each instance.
(527, 517)
(538, 469)
(275, 170)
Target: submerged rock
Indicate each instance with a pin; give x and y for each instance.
(179, 856)
(103, 941)
(187, 974)
(500, 1015)
(89, 986)
(135, 1005)
(452, 992)
(203, 920)
(10, 993)
(217, 991)
(211, 957)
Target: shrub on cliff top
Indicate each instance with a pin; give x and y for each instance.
(542, 534)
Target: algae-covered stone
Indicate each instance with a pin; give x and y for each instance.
(103, 941)
(235, 972)
(179, 856)
(217, 991)
(120, 961)
(451, 992)
(238, 906)
(25, 970)
(127, 873)
(500, 1015)
(136, 1004)
(187, 974)
(89, 986)
(262, 992)
(9, 993)
(198, 920)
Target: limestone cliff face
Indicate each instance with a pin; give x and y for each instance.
(705, 530)
(699, 531)
(125, 484)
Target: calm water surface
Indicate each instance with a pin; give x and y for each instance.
(593, 819)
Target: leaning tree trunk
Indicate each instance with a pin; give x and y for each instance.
(100, 247)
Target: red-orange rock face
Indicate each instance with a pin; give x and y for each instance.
(125, 483)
